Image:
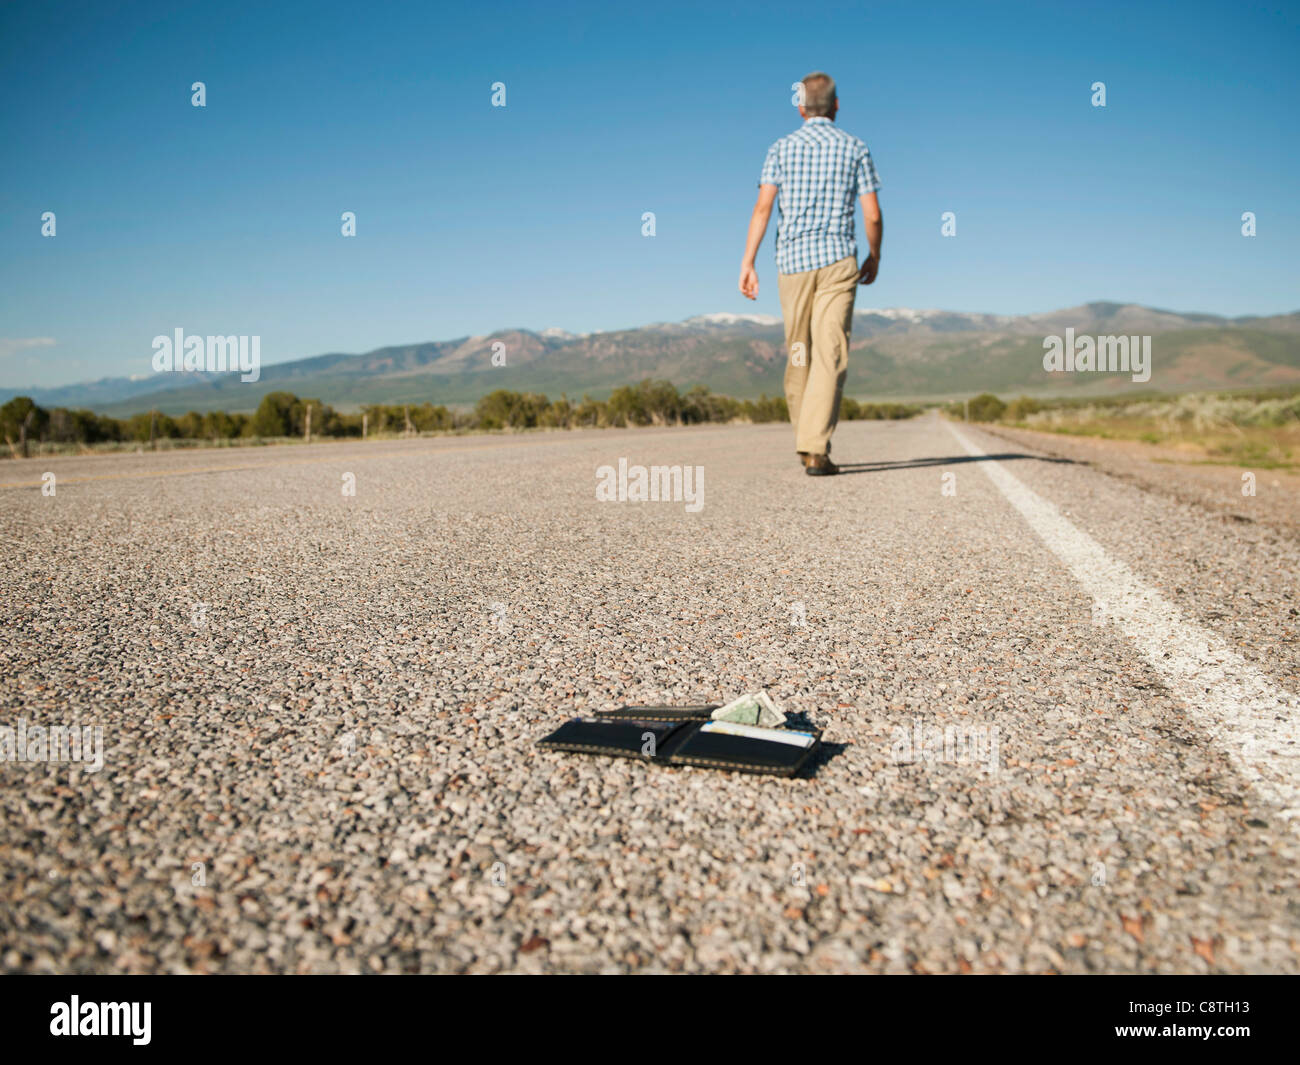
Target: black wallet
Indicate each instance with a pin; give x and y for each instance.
(693, 741)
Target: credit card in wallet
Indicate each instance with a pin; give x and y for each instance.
(753, 732)
(744, 748)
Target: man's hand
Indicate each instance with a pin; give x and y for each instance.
(868, 272)
(749, 281)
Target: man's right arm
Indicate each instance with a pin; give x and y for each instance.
(874, 226)
(757, 227)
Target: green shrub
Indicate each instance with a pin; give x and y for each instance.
(986, 407)
(1020, 408)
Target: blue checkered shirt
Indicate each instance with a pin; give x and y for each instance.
(821, 172)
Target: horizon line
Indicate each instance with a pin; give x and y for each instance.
(764, 319)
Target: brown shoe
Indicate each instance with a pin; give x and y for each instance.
(820, 466)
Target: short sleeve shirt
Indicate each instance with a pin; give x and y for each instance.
(820, 171)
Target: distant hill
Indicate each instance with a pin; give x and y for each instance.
(897, 353)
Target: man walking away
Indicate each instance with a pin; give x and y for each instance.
(819, 171)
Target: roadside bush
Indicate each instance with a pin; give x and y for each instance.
(509, 410)
(273, 414)
(986, 407)
(1021, 408)
(283, 414)
(766, 410)
(19, 412)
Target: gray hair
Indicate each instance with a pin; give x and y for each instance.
(818, 94)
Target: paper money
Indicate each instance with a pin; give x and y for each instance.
(756, 708)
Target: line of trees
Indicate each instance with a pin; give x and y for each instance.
(282, 414)
(651, 403)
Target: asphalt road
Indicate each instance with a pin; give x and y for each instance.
(319, 711)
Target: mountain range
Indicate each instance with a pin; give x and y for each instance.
(896, 353)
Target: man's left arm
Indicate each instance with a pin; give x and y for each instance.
(874, 225)
(868, 184)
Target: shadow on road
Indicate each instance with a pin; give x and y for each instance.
(825, 753)
(912, 464)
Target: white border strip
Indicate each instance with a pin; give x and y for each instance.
(1226, 696)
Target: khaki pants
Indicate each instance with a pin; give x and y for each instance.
(818, 309)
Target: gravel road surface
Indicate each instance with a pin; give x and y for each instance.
(319, 713)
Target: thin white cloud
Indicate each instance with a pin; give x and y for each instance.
(13, 345)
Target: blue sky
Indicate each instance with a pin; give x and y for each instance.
(470, 218)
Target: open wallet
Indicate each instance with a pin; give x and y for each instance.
(675, 735)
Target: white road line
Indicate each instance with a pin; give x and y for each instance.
(1227, 697)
